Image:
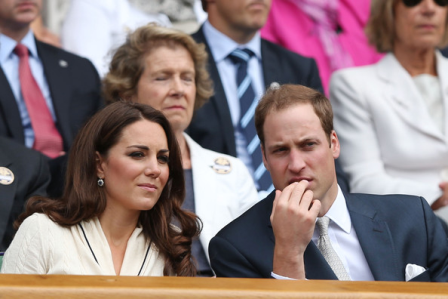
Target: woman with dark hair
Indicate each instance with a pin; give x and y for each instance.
(124, 186)
(166, 69)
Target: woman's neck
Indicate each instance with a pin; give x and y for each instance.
(185, 151)
(416, 61)
(118, 229)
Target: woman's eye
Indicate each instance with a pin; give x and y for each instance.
(163, 159)
(136, 155)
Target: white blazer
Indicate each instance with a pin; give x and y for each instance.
(223, 189)
(389, 143)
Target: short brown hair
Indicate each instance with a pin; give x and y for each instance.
(285, 96)
(128, 62)
(380, 28)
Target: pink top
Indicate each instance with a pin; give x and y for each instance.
(291, 27)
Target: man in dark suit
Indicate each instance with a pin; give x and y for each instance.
(235, 24)
(23, 173)
(69, 85)
(357, 236)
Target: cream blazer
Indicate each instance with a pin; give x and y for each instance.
(41, 246)
(389, 143)
(223, 189)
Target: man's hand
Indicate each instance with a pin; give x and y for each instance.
(293, 219)
(442, 200)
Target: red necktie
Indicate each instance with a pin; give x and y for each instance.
(47, 139)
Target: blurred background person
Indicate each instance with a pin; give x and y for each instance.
(46, 93)
(392, 117)
(165, 68)
(330, 31)
(242, 66)
(93, 28)
(124, 186)
(23, 173)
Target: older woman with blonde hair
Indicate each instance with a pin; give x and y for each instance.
(392, 117)
(166, 69)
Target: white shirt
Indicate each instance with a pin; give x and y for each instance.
(42, 246)
(221, 46)
(9, 62)
(344, 241)
(431, 91)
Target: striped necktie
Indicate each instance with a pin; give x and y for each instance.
(248, 103)
(47, 139)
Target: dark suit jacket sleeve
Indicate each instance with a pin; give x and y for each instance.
(41, 181)
(437, 244)
(227, 261)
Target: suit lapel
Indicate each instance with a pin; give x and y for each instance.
(219, 99)
(404, 97)
(270, 65)
(7, 195)
(375, 239)
(57, 75)
(10, 109)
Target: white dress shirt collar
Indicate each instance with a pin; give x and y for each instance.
(221, 45)
(7, 46)
(339, 214)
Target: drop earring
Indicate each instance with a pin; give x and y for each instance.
(100, 182)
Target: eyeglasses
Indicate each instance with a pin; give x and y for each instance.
(412, 3)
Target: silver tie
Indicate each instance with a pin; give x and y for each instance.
(330, 255)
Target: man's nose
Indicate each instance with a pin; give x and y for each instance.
(296, 161)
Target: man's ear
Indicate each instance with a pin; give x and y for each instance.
(99, 165)
(265, 161)
(334, 144)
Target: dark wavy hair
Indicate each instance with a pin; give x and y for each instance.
(83, 199)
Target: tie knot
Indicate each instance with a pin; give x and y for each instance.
(322, 223)
(21, 50)
(241, 55)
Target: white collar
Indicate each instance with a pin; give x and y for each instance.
(221, 45)
(7, 45)
(339, 214)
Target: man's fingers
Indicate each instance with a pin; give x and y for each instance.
(278, 193)
(315, 208)
(307, 198)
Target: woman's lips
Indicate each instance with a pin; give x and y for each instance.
(175, 107)
(148, 187)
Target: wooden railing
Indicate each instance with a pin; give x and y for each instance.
(111, 287)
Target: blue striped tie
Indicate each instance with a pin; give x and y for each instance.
(248, 103)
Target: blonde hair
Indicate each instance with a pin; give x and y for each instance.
(380, 29)
(127, 64)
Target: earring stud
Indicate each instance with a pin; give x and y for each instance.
(100, 182)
